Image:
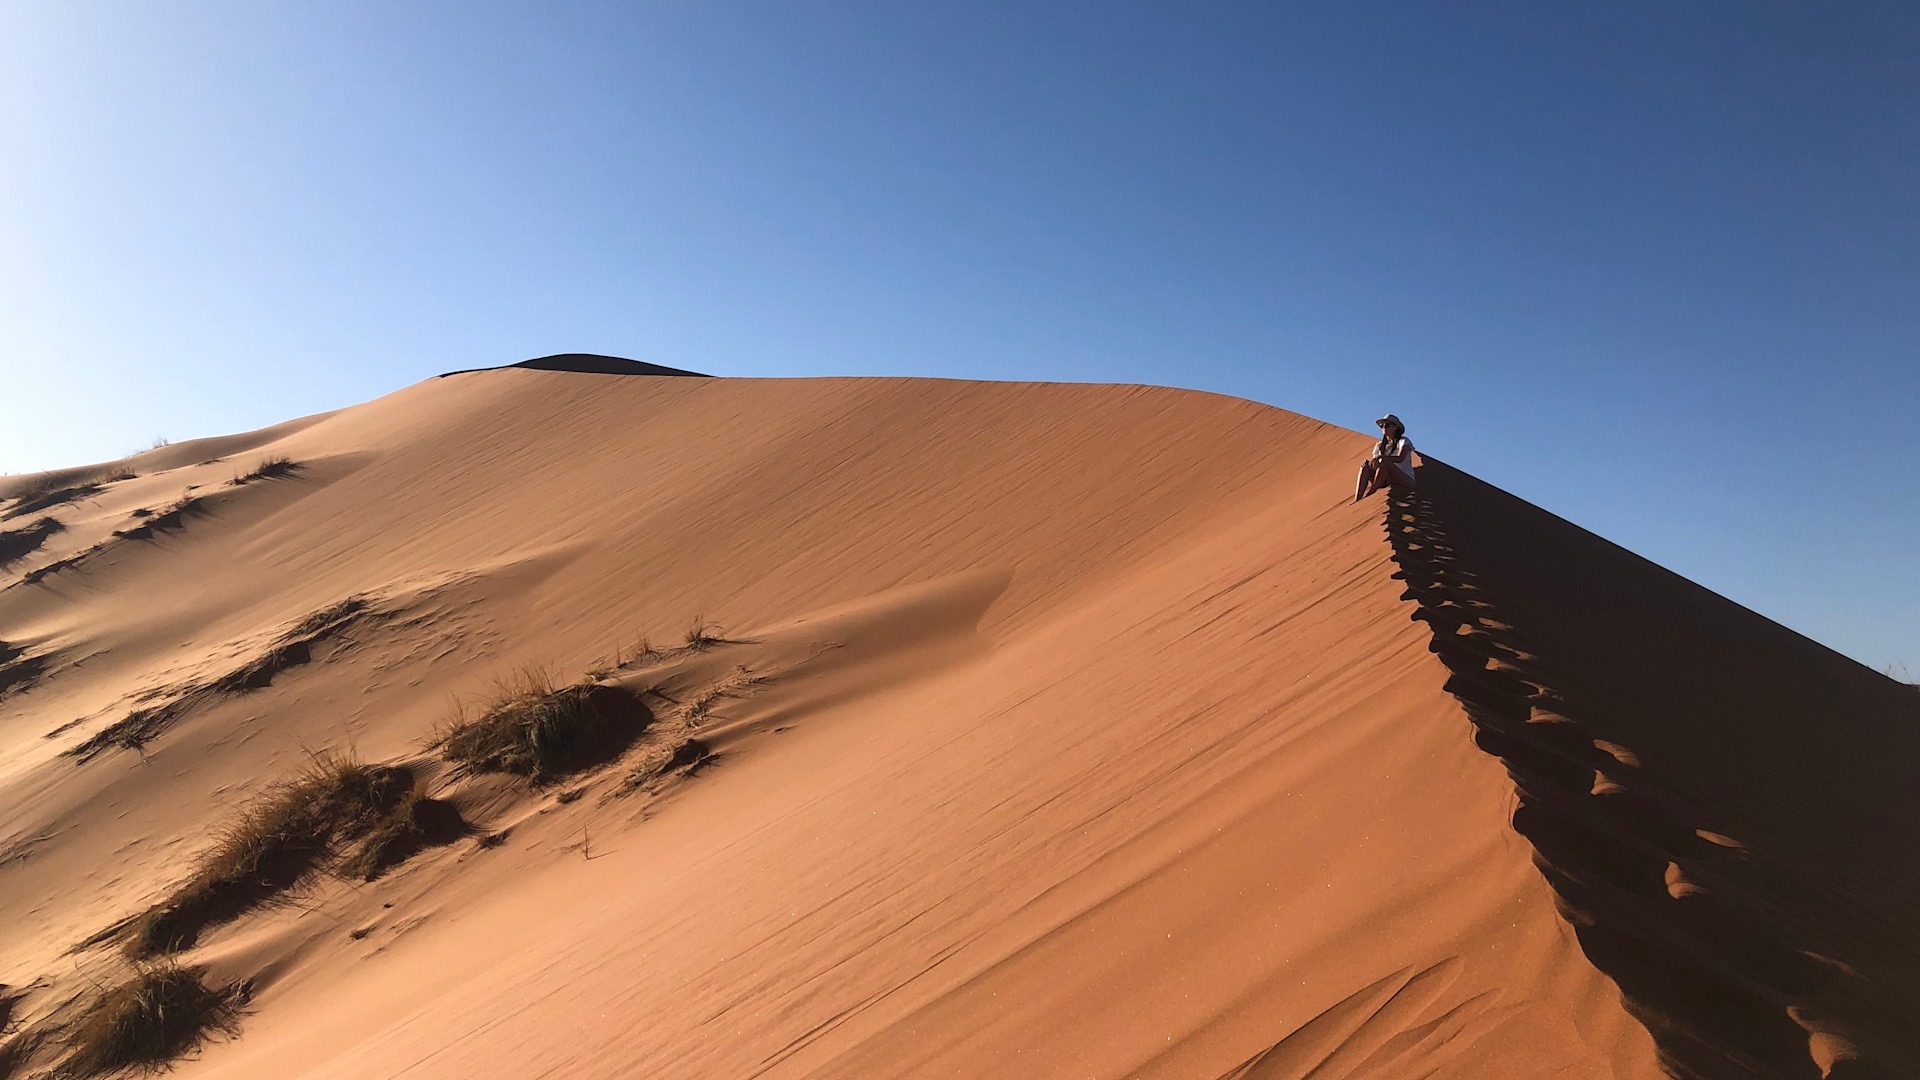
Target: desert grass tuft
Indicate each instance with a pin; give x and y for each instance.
(413, 825)
(641, 653)
(686, 754)
(267, 469)
(697, 706)
(14, 1054)
(704, 635)
(291, 649)
(17, 544)
(156, 1017)
(40, 573)
(158, 520)
(39, 496)
(62, 486)
(18, 672)
(531, 728)
(273, 844)
(327, 619)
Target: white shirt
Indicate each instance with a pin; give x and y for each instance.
(1402, 455)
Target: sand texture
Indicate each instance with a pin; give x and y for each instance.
(877, 728)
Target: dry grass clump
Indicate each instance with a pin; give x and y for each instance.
(62, 486)
(625, 656)
(704, 636)
(268, 469)
(413, 825)
(701, 637)
(40, 496)
(154, 521)
(531, 728)
(275, 842)
(17, 544)
(326, 620)
(20, 673)
(290, 650)
(140, 726)
(40, 573)
(700, 704)
(14, 1054)
(158, 1016)
(687, 754)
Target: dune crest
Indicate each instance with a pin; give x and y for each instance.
(862, 727)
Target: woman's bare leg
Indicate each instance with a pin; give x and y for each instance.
(1367, 482)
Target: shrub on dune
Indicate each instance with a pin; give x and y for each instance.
(414, 824)
(531, 728)
(704, 636)
(41, 497)
(154, 1018)
(275, 843)
(268, 469)
(17, 544)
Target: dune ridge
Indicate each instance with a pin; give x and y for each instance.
(988, 729)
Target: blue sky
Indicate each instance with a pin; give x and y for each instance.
(1653, 266)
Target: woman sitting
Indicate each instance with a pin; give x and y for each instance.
(1391, 461)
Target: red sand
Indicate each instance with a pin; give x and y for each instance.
(1070, 731)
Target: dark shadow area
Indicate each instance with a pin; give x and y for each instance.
(1633, 710)
(1590, 854)
(1707, 1026)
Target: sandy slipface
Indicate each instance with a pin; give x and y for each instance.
(932, 729)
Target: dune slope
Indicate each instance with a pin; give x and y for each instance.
(980, 730)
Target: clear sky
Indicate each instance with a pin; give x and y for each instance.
(1653, 266)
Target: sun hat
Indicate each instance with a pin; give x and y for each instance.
(1390, 419)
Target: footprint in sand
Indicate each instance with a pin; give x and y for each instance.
(1723, 842)
(1679, 885)
(1618, 753)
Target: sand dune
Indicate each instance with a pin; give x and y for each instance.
(978, 730)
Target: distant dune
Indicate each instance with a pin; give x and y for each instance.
(589, 364)
(568, 720)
